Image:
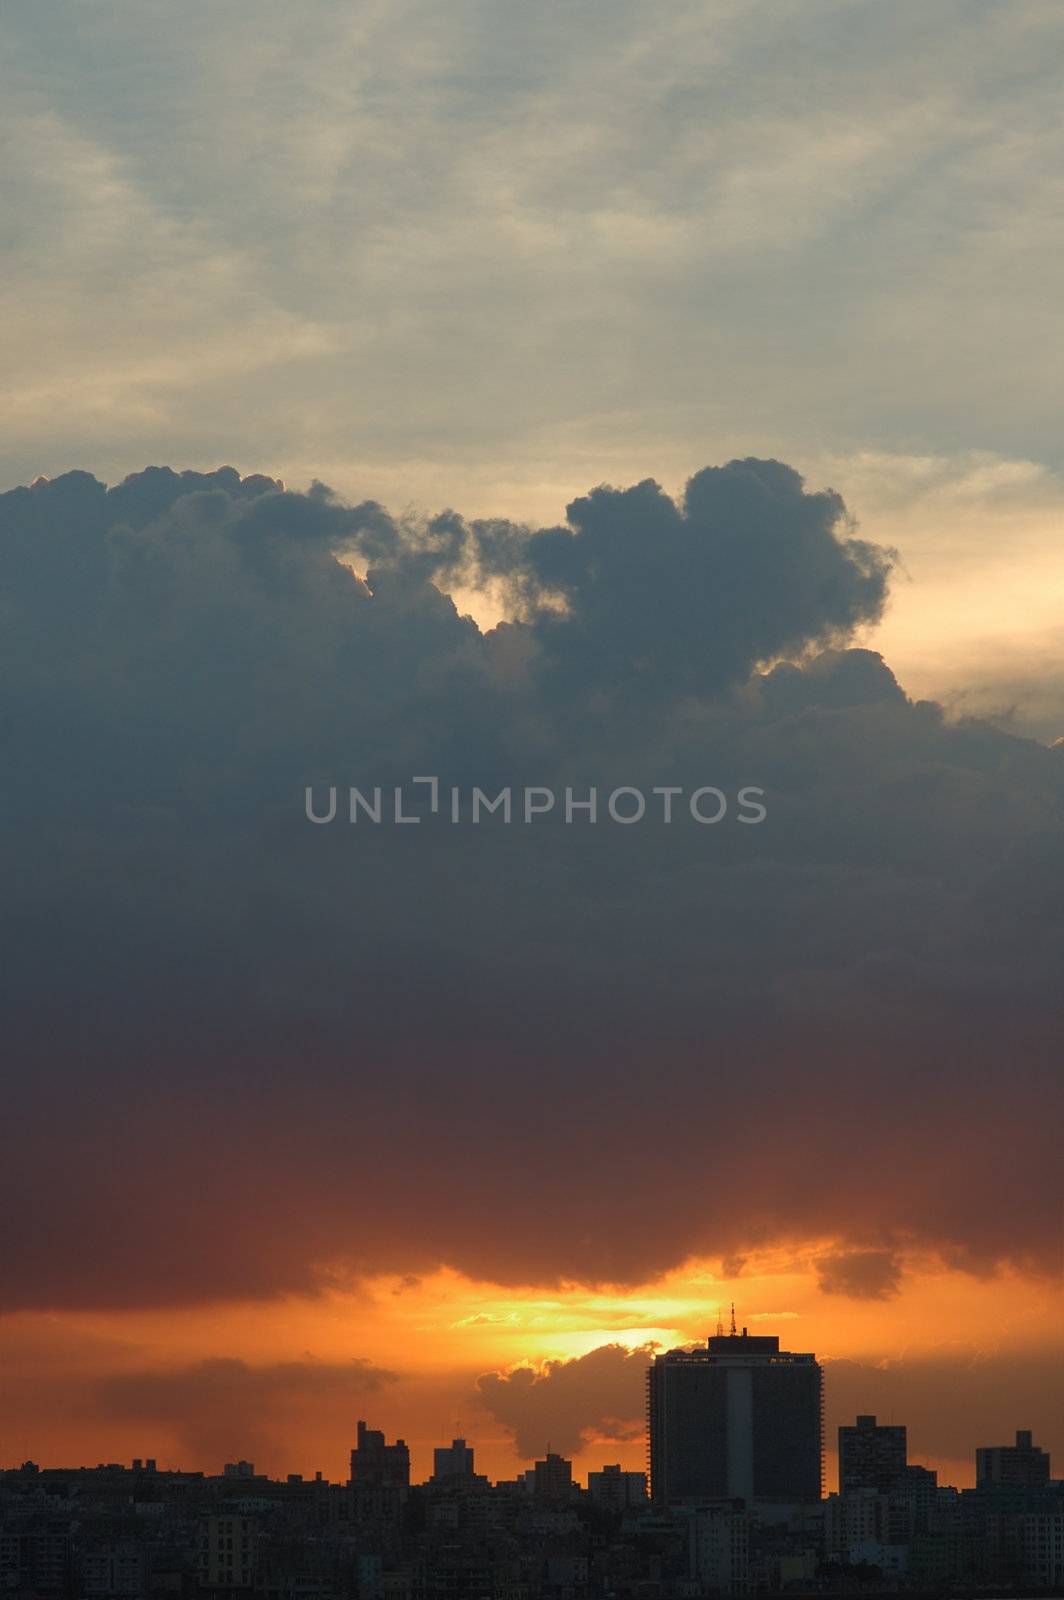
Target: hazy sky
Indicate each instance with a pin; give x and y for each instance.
(491, 252)
(487, 255)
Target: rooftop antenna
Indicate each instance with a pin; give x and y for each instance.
(720, 1325)
(732, 1330)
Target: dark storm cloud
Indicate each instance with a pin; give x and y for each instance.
(692, 597)
(242, 1048)
(565, 1404)
(860, 1274)
(222, 1408)
(667, 599)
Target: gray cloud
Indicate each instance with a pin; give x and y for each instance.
(747, 568)
(212, 1006)
(565, 1404)
(860, 1274)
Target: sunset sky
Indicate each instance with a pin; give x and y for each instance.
(447, 1130)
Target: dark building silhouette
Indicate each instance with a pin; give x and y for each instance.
(740, 1420)
(871, 1456)
(111, 1533)
(376, 1465)
(552, 1478)
(379, 1485)
(1023, 1464)
(453, 1463)
(616, 1489)
(919, 1487)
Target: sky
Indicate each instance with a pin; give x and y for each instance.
(685, 382)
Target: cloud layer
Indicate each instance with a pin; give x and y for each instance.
(474, 239)
(532, 1052)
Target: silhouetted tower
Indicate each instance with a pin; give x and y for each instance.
(739, 1419)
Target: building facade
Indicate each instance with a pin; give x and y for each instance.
(871, 1456)
(453, 1462)
(719, 1549)
(229, 1551)
(1022, 1464)
(377, 1465)
(552, 1478)
(740, 1419)
(616, 1490)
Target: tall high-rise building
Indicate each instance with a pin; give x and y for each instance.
(739, 1420)
(871, 1456)
(1022, 1464)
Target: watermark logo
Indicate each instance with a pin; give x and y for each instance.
(624, 806)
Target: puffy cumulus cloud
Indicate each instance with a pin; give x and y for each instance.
(244, 1049)
(564, 1405)
(639, 594)
(860, 1274)
(688, 598)
(221, 1408)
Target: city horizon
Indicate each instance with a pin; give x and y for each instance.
(734, 1504)
(630, 1455)
(228, 1470)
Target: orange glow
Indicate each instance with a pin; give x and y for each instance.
(438, 1334)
